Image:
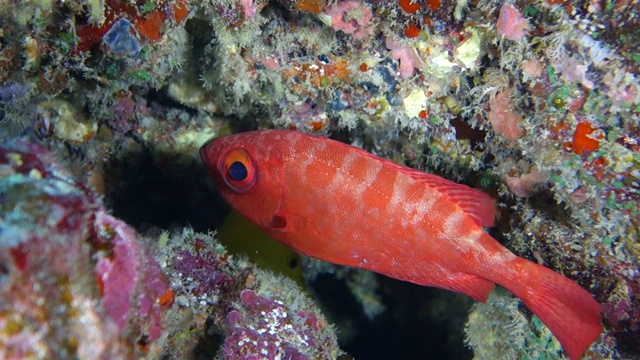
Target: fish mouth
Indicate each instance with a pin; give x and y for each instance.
(203, 152)
(209, 153)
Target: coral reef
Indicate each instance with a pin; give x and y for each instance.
(518, 338)
(536, 102)
(258, 313)
(77, 282)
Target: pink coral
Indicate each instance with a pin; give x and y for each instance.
(511, 24)
(351, 17)
(573, 71)
(249, 10)
(131, 280)
(622, 89)
(524, 186)
(503, 118)
(408, 58)
(532, 69)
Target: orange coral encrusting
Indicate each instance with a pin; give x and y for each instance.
(180, 11)
(409, 6)
(317, 126)
(583, 140)
(151, 27)
(340, 70)
(318, 74)
(312, 6)
(434, 4)
(411, 30)
(166, 298)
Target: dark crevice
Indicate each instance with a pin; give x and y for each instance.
(145, 194)
(419, 322)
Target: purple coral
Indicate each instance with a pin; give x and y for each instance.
(265, 329)
(201, 269)
(276, 321)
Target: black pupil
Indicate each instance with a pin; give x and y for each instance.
(237, 171)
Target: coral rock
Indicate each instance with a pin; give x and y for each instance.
(52, 229)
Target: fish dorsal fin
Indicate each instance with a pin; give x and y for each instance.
(478, 205)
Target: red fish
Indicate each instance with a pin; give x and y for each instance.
(340, 204)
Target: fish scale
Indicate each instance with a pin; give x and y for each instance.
(341, 204)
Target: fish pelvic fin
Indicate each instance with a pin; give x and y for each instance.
(568, 310)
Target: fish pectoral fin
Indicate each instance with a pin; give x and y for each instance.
(285, 223)
(468, 284)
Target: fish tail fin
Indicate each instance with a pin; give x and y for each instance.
(568, 310)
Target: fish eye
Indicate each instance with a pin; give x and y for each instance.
(238, 171)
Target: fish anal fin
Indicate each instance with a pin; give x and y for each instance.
(478, 205)
(474, 286)
(471, 285)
